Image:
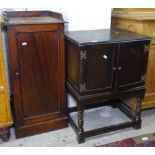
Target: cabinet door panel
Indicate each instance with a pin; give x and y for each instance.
(132, 63)
(98, 67)
(38, 62)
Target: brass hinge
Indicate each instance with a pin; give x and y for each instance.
(82, 87)
(146, 48)
(83, 55)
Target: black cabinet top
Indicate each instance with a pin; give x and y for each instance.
(90, 37)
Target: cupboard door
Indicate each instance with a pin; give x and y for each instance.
(38, 74)
(132, 61)
(99, 67)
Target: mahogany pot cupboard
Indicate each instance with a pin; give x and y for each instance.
(36, 54)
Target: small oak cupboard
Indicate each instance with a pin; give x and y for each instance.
(105, 65)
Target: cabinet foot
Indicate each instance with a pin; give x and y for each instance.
(80, 138)
(114, 105)
(5, 133)
(138, 113)
(138, 125)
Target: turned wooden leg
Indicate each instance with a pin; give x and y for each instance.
(80, 137)
(114, 105)
(66, 103)
(66, 99)
(138, 113)
(5, 133)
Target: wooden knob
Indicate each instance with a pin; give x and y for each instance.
(17, 74)
(119, 68)
(114, 68)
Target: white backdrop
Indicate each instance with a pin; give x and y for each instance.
(81, 18)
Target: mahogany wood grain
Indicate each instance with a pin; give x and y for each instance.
(36, 54)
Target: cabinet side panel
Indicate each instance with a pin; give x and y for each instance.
(72, 63)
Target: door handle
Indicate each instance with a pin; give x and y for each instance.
(114, 68)
(17, 74)
(119, 68)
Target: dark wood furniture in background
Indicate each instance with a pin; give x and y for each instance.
(142, 21)
(36, 53)
(105, 65)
